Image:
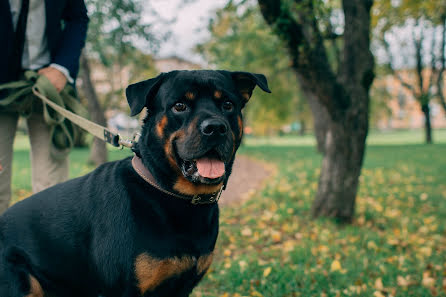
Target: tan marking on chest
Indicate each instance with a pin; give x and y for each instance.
(35, 288)
(151, 272)
(204, 262)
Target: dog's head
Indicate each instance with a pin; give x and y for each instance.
(193, 127)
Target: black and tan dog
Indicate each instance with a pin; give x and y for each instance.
(145, 226)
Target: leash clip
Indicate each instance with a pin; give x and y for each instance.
(129, 143)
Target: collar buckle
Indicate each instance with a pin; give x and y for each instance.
(201, 199)
(196, 199)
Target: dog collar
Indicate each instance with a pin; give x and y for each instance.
(145, 174)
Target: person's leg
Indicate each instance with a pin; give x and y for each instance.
(49, 167)
(8, 127)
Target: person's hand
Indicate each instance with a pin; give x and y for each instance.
(56, 77)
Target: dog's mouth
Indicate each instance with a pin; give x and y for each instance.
(207, 169)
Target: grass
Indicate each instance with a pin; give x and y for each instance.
(374, 138)
(270, 246)
(21, 184)
(396, 246)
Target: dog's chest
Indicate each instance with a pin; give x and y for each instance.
(153, 273)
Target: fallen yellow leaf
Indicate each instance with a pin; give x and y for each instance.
(276, 236)
(402, 281)
(227, 252)
(427, 281)
(378, 294)
(379, 284)
(336, 266)
(246, 231)
(256, 294)
(267, 271)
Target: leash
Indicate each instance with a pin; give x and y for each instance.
(95, 129)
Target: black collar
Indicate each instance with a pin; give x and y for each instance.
(195, 199)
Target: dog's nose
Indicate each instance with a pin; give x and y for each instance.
(213, 127)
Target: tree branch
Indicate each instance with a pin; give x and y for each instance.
(305, 44)
(405, 84)
(440, 80)
(358, 59)
(434, 69)
(418, 43)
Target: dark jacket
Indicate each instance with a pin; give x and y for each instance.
(66, 30)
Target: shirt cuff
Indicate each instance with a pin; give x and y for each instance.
(64, 71)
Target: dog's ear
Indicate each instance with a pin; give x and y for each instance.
(247, 81)
(140, 94)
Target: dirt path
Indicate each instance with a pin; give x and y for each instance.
(248, 175)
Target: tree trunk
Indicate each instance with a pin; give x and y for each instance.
(341, 167)
(98, 150)
(339, 102)
(321, 118)
(427, 123)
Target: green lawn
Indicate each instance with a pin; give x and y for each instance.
(375, 138)
(21, 185)
(270, 246)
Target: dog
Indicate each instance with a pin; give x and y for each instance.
(142, 226)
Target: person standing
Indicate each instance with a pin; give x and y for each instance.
(46, 36)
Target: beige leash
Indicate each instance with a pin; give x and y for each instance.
(89, 126)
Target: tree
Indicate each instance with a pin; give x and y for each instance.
(412, 34)
(338, 93)
(240, 39)
(114, 29)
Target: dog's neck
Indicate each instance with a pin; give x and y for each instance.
(145, 174)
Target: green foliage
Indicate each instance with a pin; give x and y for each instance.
(389, 13)
(420, 19)
(115, 28)
(412, 35)
(240, 40)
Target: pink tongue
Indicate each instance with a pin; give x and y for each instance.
(210, 168)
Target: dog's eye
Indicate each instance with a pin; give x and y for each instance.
(179, 107)
(228, 106)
